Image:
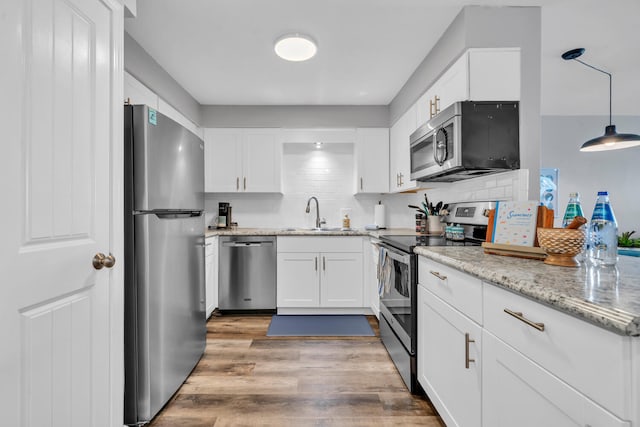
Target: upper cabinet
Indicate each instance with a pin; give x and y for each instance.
(242, 160)
(399, 160)
(137, 93)
(478, 75)
(372, 160)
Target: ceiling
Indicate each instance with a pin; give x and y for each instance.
(221, 51)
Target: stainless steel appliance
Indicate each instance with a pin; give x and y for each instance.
(164, 259)
(466, 140)
(398, 299)
(247, 273)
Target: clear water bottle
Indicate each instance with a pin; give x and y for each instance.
(603, 233)
(573, 210)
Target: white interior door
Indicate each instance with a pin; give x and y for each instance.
(61, 329)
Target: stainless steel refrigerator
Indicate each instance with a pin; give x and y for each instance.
(164, 259)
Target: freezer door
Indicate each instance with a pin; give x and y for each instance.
(171, 304)
(168, 163)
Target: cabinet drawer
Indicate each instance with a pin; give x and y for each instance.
(462, 291)
(320, 244)
(589, 358)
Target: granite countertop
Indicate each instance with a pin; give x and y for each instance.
(606, 297)
(304, 232)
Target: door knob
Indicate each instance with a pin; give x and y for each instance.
(101, 260)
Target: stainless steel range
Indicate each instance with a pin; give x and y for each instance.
(398, 293)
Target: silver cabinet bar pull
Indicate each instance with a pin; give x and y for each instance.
(316, 263)
(237, 183)
(518, 315)
(324, 264)
(467, 341)
(245, 182)
(438, 275)
(361, 185)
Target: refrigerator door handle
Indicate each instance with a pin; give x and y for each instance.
(175, 215)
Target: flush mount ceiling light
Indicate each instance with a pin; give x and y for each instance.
(295, 47)
(611, 140)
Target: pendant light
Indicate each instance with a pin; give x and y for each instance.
(611, 140)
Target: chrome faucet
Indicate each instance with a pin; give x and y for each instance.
(317, 210)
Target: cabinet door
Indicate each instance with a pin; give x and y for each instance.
(341, 280)
(518, 392)
(370, 264)
(452, 384)
(395, 140)
(494, 75)
(372, 160)
(137, 93)
(453, 86)
(399, 160)
(298, 279)
(211, 274)
(222, 160)
(262, 158)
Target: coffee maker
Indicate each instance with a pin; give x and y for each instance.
(224, 215)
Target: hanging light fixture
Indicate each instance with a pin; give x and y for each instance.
(611, 140)
(295, 47)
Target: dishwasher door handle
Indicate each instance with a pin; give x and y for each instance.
(246, 244)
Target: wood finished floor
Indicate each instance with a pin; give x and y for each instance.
(248, 379)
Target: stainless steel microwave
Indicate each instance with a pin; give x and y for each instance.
(466, 140)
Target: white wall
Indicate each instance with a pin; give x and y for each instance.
(616, 171)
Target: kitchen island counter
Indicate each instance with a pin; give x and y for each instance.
(609, 298)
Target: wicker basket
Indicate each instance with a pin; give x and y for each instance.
(562, 245)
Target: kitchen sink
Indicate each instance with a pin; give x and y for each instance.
(315, 230)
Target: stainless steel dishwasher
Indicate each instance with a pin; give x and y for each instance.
(247, 273)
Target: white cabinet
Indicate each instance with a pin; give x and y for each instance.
(517, 391)
(449, 350)
(478, 75)
(211, 274)
(242, 160)
(580, 369)
(532, 365)
(298, 279)
(137, 93)
(370, 253)
(319, 272)
(372, 160)
(399, 160)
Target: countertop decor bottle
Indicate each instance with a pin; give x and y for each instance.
(346, 223)
(573, 210)
(603, 233)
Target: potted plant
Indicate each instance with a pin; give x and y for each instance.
(628, 245)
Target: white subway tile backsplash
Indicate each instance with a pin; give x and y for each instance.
(328, 174)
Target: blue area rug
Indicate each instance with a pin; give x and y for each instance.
(319, 326)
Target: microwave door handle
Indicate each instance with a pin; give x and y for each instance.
(439, 159)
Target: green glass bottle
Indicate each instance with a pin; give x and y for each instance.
(573, 210)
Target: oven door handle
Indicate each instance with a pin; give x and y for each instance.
(403, 257)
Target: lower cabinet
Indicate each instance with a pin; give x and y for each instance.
(329, 278)
(449, 360)
(211, 274)
(518, 392)
(510, 361)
